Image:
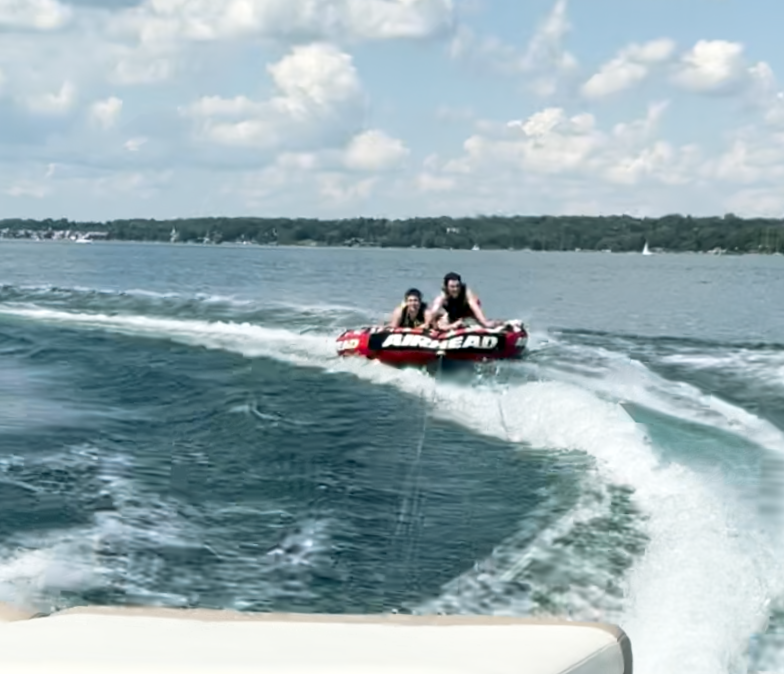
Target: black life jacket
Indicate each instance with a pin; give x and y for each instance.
(405, 318)
(458, 307)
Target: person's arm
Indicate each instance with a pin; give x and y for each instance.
(394, 319)
(473, 302)
(432, 313)
(438, 312)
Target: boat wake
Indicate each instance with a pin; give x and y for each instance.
(670, 534)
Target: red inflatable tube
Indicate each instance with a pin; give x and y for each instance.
(406, 346)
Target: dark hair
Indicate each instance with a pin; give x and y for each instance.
(454, 276)
(415, 292)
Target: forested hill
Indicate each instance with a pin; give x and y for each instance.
(616, 233)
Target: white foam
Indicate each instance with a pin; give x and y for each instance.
(54, 564)
(763, 366)
(625, 378)
(119, 549)
(702, 580)
(540, 568)
(245, 338)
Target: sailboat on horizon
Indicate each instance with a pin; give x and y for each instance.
(646, 250)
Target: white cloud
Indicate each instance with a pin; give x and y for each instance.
(142, 185)
(754, 157)
(317, 75)
(145, 65)
(255, 188)
(106, 112)
(712, 66)
(427, 182)
(319, 92)
(642, 129)
(134, 144)
(548, 68)
(34, 14)
(303, 161)
(630, 67)
(546, 142)
(448, 113)
(763, 79)
(654, 51)
(338, 189)
(756, 202)
(31, 184)
(374, 150)
(215, 106)
(564, 160)
(544, 58)
(27, 189)
(764, 96)
(292, 175)
(156, 21)
(53, 103)
(774, 114)
(486, 52)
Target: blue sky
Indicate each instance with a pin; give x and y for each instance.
(393, 108)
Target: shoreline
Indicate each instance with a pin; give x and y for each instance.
(719, 235)
(326, 246)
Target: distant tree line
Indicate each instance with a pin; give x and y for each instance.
(677, 233)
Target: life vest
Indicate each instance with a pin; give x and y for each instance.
(458, 307)
(405, 318)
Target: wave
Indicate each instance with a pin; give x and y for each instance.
(119, 556)
(197, 306)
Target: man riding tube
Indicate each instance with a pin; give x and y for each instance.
(411, 313)
(454, 305)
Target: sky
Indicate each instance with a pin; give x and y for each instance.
(390, 108)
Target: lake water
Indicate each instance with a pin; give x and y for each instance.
(176, 430)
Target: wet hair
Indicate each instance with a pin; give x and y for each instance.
(454, 276)
(415, 292)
